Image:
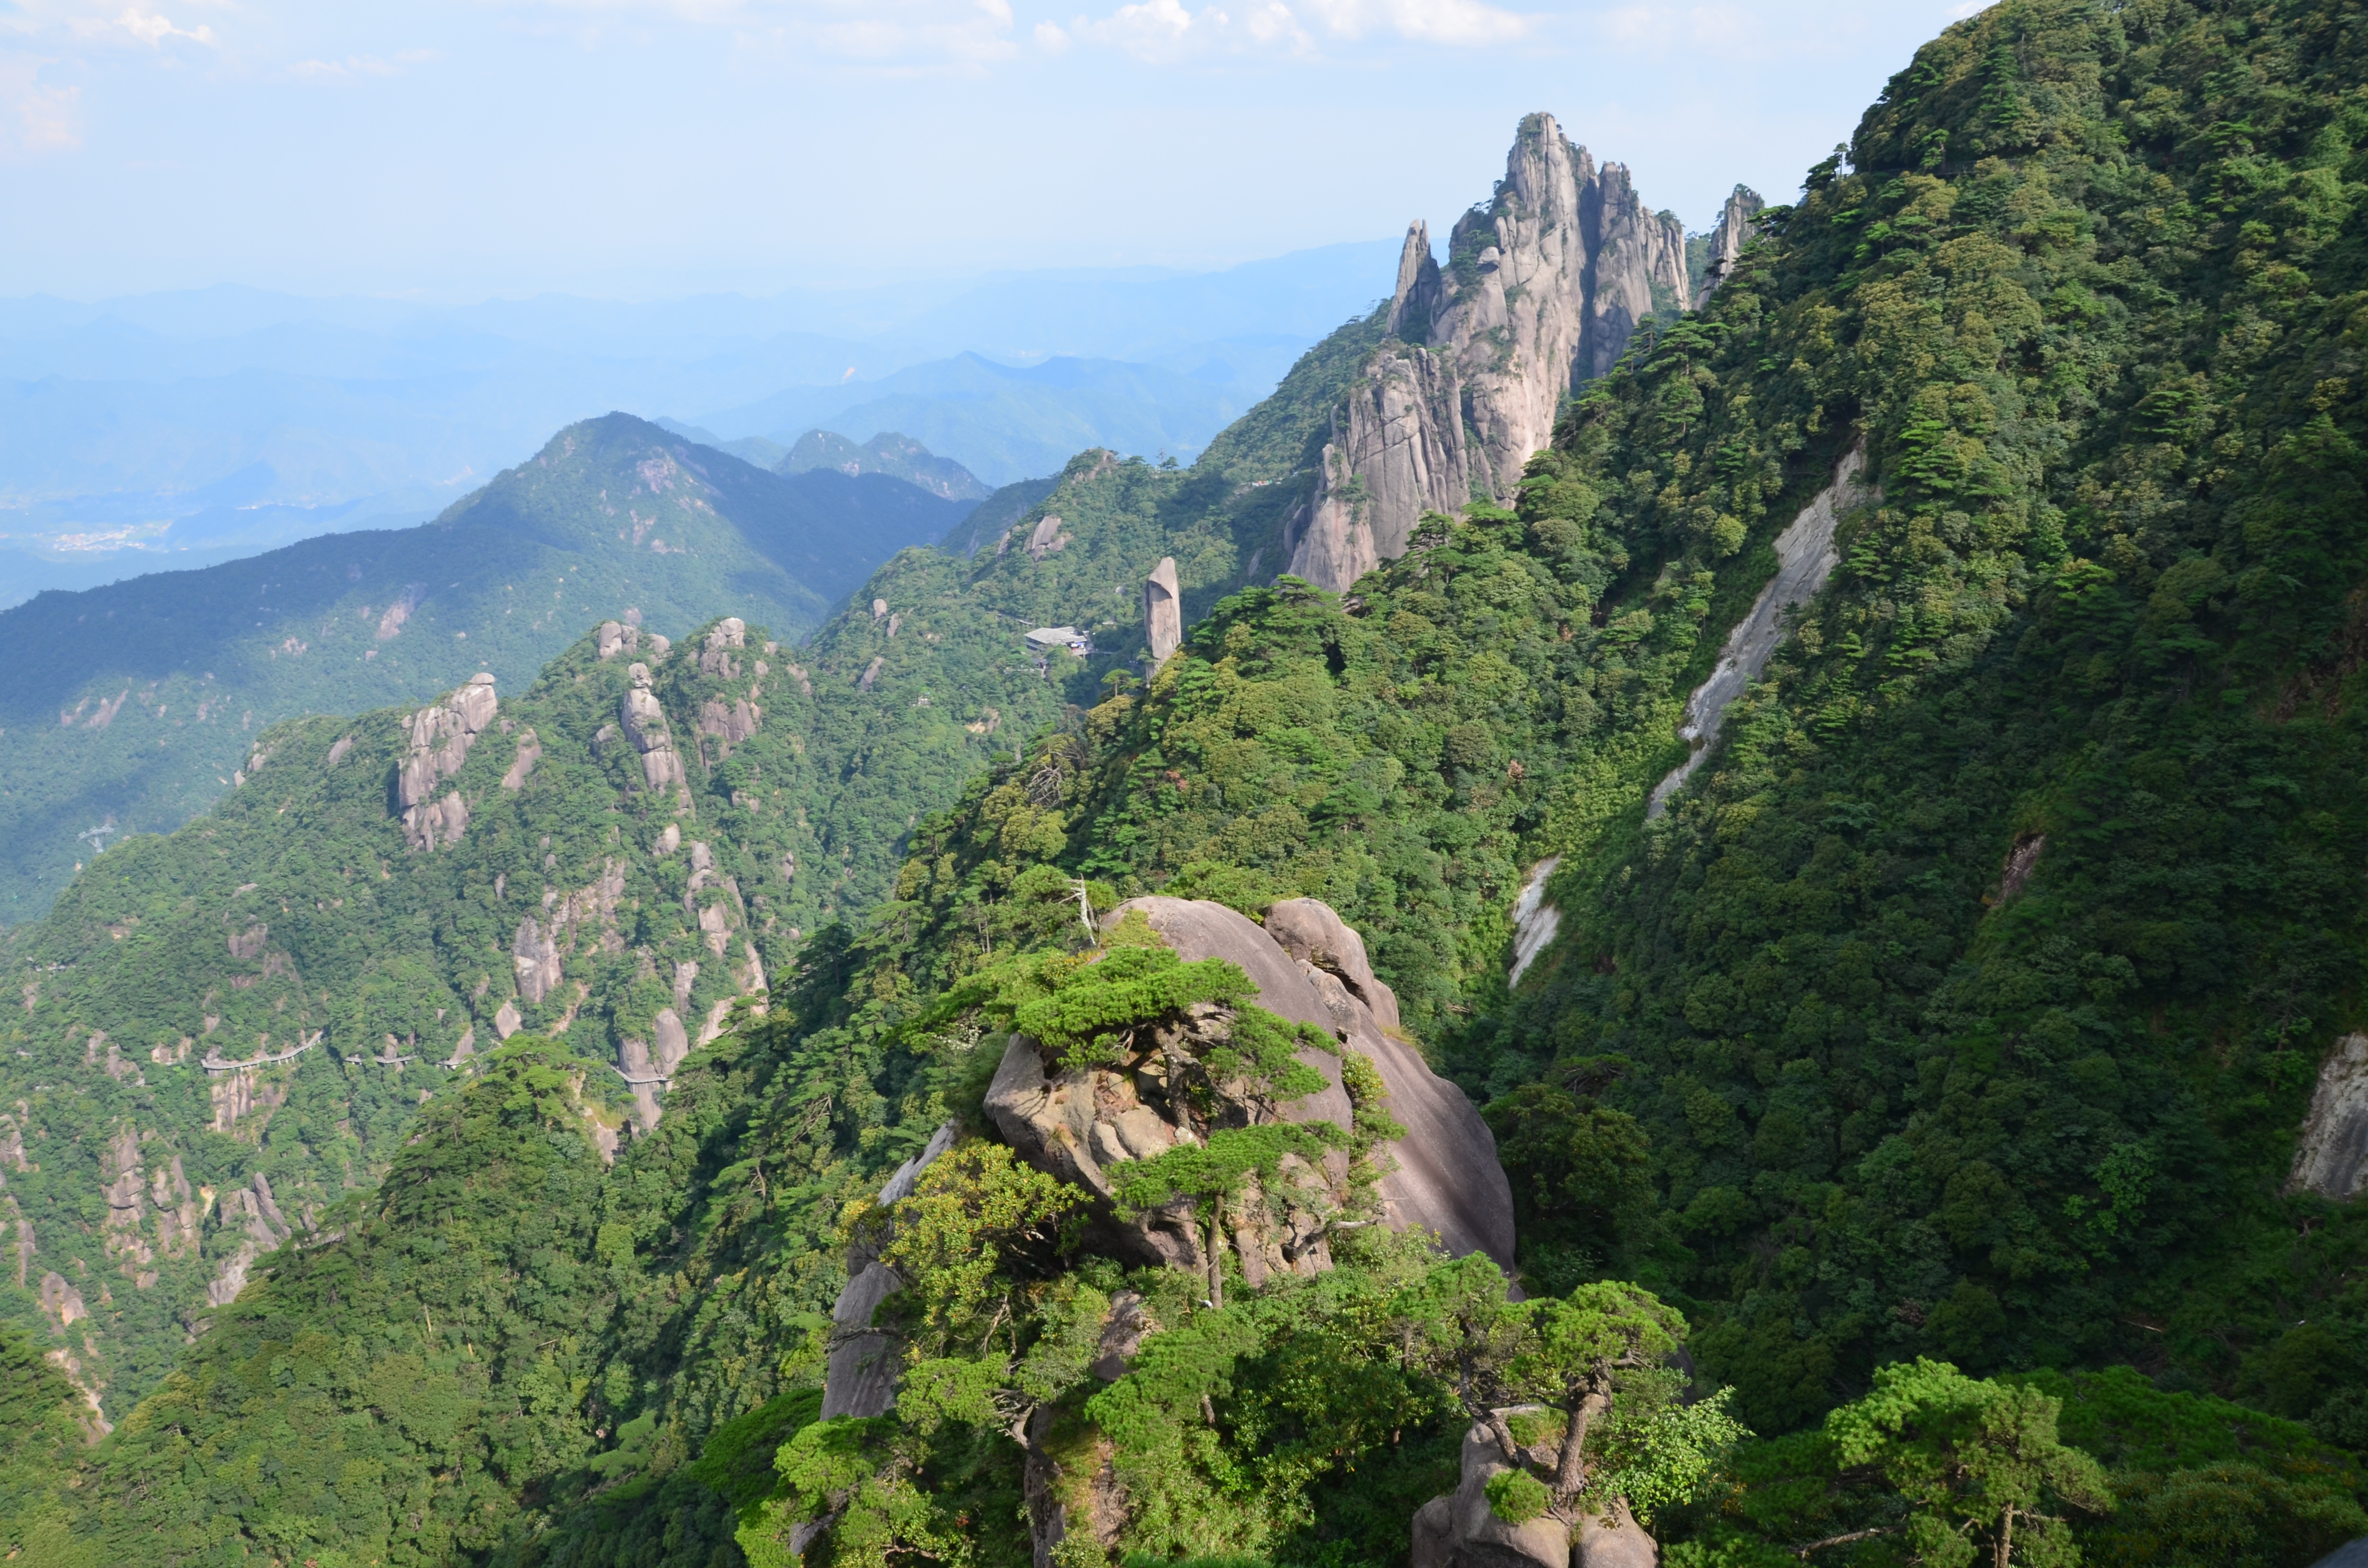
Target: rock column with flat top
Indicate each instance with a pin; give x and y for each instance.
(1162, 611)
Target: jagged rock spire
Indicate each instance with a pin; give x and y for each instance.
(1541, 291)
(1737, 223)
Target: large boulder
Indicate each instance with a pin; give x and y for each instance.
(1462, 1530)
(1310, 967)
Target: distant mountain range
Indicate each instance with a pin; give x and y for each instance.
(120, 420)
(896, 455)
(1003, 422)
(130, 706)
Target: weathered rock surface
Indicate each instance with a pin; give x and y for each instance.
(1310, 967)
(861, 1378)
(1535, 921)
(1806, 556)
(1736, 223)
(716, 655)
(1162, 611)
(441, 736)
(1046, 539)
(1544, 290)
(1461, 1530)
(645, 723)
(613, 639)
(2331, 1159)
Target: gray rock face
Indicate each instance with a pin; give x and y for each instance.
(861, 1378)
(1805, 558)
(727, 636)
(1536, 923)
(536, 958)
(645, 721)
(1400, 451)
(1309, 967)
(2331, 1158)
(1546, 286)
(1046, 539)
(1445, 1176)
(1736, 223)
(441, 736)
(1460, 1531)
(1162, 611)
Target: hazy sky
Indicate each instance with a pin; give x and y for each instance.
(650, 148)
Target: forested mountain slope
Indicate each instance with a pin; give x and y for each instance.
(1963, 1006)
(129, 707)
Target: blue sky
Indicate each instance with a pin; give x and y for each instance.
(640, 149)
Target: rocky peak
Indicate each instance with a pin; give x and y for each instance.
(1736, 223)
(1543, 289)
(716, 652)
(440, 736)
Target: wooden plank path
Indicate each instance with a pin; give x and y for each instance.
(214, 1063)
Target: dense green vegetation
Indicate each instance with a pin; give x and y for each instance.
(129, 705)
(1963, 1190)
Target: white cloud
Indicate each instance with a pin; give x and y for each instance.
(1167, 29)
(1424, 22)
(153, 30)
(35, 118)
(883, 33)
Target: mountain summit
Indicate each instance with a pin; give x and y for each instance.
(1541, 290)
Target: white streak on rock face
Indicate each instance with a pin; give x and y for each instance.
(1805, 558)
(1535, 921)
(2332, 1157)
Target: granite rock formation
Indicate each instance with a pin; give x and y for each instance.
(645, 723)
(1461, 1530)
(1162, 611)
(1309, 967)
(441, 734)
(1806, 556)
(1541, 291)
(1736, 223)
(2331, 1156)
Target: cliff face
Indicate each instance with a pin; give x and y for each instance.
(1541, 290)
(1737, 221)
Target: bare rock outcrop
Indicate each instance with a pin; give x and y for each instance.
(1737, 222)
(1536, 923)
(1542, 291)
(862, 1377)
(535, 958)
(717, 651)
(2331, 1157)
(613, 639)
(1462, 1530)
(440, 736)
(529, 752)
(1078, 1122)
(1162, 611)
(1046, 539)
(643, 719)
(1806, 556)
